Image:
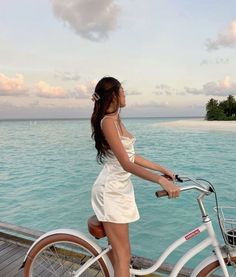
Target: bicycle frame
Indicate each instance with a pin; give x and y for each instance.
(211, 240)
(206, 226)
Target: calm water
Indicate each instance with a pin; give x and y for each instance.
(47, 169)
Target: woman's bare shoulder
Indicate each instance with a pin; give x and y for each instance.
(110, 119)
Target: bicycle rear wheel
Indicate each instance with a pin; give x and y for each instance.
(61, 255)
(213, 269)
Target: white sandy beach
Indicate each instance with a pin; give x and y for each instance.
(201, 124)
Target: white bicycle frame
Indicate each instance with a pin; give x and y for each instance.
(210, 240)
(206, 226)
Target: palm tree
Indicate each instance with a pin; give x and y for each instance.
(231, 103)
(214, 111)
(212, 104)
(228, 106)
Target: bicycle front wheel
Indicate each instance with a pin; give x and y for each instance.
(61, 255)
(213, 269)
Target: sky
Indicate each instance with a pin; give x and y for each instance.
(171, 56)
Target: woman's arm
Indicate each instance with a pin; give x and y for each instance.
(150, 165)
(113, 139)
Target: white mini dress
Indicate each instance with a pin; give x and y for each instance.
(113, 198)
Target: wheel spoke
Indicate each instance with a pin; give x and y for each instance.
(44, 267)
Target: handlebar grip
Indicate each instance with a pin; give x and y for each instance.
(161, 193)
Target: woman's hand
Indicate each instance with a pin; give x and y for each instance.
(172, 190)
(169, 174)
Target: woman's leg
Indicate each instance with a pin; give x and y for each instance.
(110, 254)
(118, 235)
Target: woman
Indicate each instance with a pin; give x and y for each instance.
(113, 198)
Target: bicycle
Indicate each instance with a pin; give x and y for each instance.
(66, 252)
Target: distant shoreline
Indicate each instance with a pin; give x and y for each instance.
(201, 124)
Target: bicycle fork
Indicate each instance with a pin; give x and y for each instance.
(212, 236)
(215, 244)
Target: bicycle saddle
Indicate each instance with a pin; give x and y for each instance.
(95, 227)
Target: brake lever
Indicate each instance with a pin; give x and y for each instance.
(178, 179)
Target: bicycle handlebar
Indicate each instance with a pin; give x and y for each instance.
(197, 186)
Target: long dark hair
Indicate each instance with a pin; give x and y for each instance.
(108, 91)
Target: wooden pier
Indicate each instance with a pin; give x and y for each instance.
(14, 243)
(16, 240)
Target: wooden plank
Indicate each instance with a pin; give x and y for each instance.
(7, 256)
(6, 252)
(3, 246)
(13, 266)
(1, 243)
(19, 273)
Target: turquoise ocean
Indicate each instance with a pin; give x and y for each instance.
(47, 169)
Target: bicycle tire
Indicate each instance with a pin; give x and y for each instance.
(212, 268)
(56, 245)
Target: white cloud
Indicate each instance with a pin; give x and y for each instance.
(91, 19)
(151, 104)
(162, 86)
(225, 39)
(163, 89)
(221, 88)
(67, 76)
(83, 91)
(216, 61)
(12, 86)
(133, 92)
(47, 91)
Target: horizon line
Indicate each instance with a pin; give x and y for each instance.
(85, 118)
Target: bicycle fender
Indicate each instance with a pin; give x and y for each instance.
(209, 260)
(76, 234)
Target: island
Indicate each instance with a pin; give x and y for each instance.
(221, 110)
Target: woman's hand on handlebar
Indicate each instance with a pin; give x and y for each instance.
(169, 174)
(172, 190)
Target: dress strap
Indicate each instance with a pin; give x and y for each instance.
(118, 130)
(114, 123)
(103, 119)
